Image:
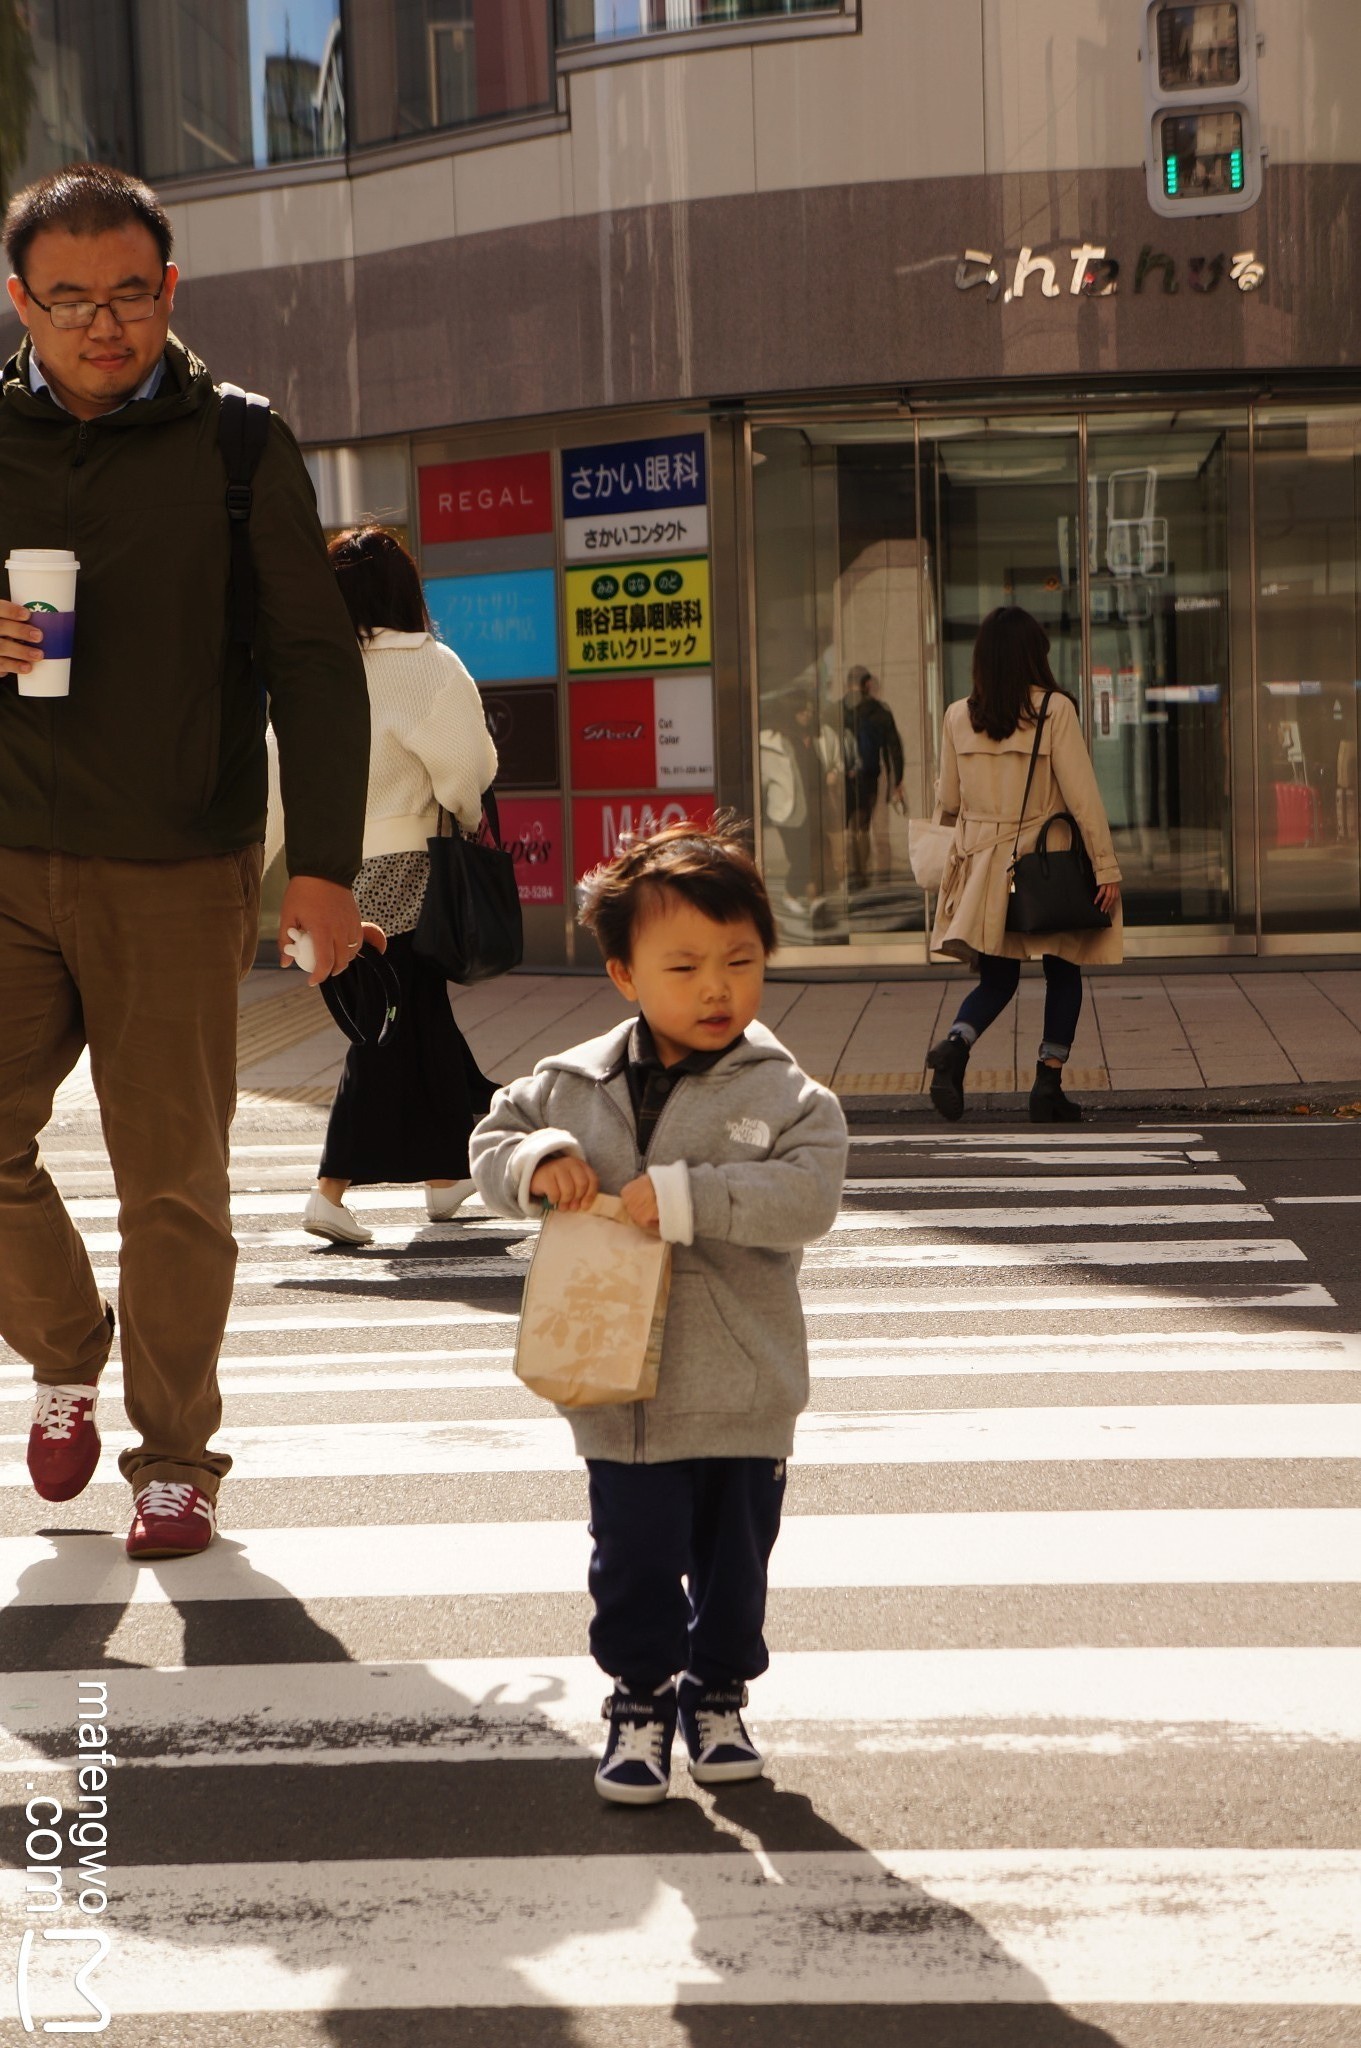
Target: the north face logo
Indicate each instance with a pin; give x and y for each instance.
(749, 1130)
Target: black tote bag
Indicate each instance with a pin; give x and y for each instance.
(1051, 891)
(470, 923)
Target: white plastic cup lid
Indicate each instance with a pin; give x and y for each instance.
(41, 558)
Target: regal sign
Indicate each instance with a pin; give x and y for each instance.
(1096, 274)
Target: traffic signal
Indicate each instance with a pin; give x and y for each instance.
(1200, 89)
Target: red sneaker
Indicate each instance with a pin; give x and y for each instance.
(170, 1518)
(63, 1444)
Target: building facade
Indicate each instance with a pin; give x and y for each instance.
(726, 361)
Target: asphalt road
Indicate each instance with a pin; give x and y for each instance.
(1064, 1712)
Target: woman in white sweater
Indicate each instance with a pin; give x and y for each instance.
(404, 1112)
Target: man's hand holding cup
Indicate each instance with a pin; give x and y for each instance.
(21, 642)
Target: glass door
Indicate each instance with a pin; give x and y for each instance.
(1158, 559)
(1309, 667)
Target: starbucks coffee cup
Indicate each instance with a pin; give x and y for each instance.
(44, 579)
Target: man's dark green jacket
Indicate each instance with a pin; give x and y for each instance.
(159, 751)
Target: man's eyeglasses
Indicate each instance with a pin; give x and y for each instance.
(126, 308)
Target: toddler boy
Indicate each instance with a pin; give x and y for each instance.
(701, 1122)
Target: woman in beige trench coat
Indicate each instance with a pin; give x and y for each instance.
(985, 758)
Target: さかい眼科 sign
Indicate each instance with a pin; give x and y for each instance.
(632, 616)
(635, 498)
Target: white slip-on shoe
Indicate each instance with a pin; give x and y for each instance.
(442, 1203)
(334, 1221)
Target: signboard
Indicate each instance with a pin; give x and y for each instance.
(501, 496)
(639, 615)
(502, 627)
(636, 731)
(635, 498)
(531, 831)
(523, 720)
(599, 822)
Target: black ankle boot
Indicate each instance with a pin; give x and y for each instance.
(1048, 1103)
(947, 1062)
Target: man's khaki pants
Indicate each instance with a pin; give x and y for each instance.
(139, 960)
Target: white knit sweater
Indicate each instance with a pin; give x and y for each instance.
(429, 746)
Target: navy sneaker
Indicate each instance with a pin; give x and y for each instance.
(636, 1767)
(721, 1750)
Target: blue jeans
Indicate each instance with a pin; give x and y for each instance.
(998, 979)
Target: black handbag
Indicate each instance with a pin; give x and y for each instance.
(1051, 891)
(470, 923)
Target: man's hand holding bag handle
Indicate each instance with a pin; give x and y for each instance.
(594, 1308)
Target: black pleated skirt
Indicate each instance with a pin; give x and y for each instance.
(404, 1111)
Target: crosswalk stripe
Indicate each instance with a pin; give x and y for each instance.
(1068, 1547)
(876, 1926)
(810, 1702)
(378, 1271)
(333, 1450)
(411, 1371)
(1049, 1184)
(1041, 1141)
(371, 1202)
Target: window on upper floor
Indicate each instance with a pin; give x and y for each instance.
(170, 88)
(421, 65)
(609, 21)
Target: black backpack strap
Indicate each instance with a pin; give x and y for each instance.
(242, 430)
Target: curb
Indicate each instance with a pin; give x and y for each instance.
(1284, 1103)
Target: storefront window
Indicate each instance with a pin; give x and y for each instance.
(604, 21)
(1309, 667)
(420, 65)
(227, 84)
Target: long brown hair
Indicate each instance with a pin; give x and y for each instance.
(379, 582)
(1010, 659)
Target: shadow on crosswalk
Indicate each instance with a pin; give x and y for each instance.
(401, 1899)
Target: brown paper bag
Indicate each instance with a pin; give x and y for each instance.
(594, 1308)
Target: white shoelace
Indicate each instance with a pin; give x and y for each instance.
(639, 1742)
(56, 1410)
(718, 1730)
(169, 1497)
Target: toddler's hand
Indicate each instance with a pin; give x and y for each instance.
(639, 1198)
(565, 1181)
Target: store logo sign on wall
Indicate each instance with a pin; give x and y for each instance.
(502, 627)
(599, 823)
(531, 832)
(1097, 275)
(639, 615)
(523, 721)
(635, 498)
(496, 499)
(631, 732)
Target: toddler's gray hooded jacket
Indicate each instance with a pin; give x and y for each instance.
(748, 1161)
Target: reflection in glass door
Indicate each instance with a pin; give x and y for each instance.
(1309, 627)
(1159, 575)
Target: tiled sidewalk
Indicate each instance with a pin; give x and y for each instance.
(1140, 1034)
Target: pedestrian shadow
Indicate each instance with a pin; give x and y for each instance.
(484, 1812)
(922, 1949)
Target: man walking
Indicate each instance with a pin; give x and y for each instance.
(131, 819)
(873, 745)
